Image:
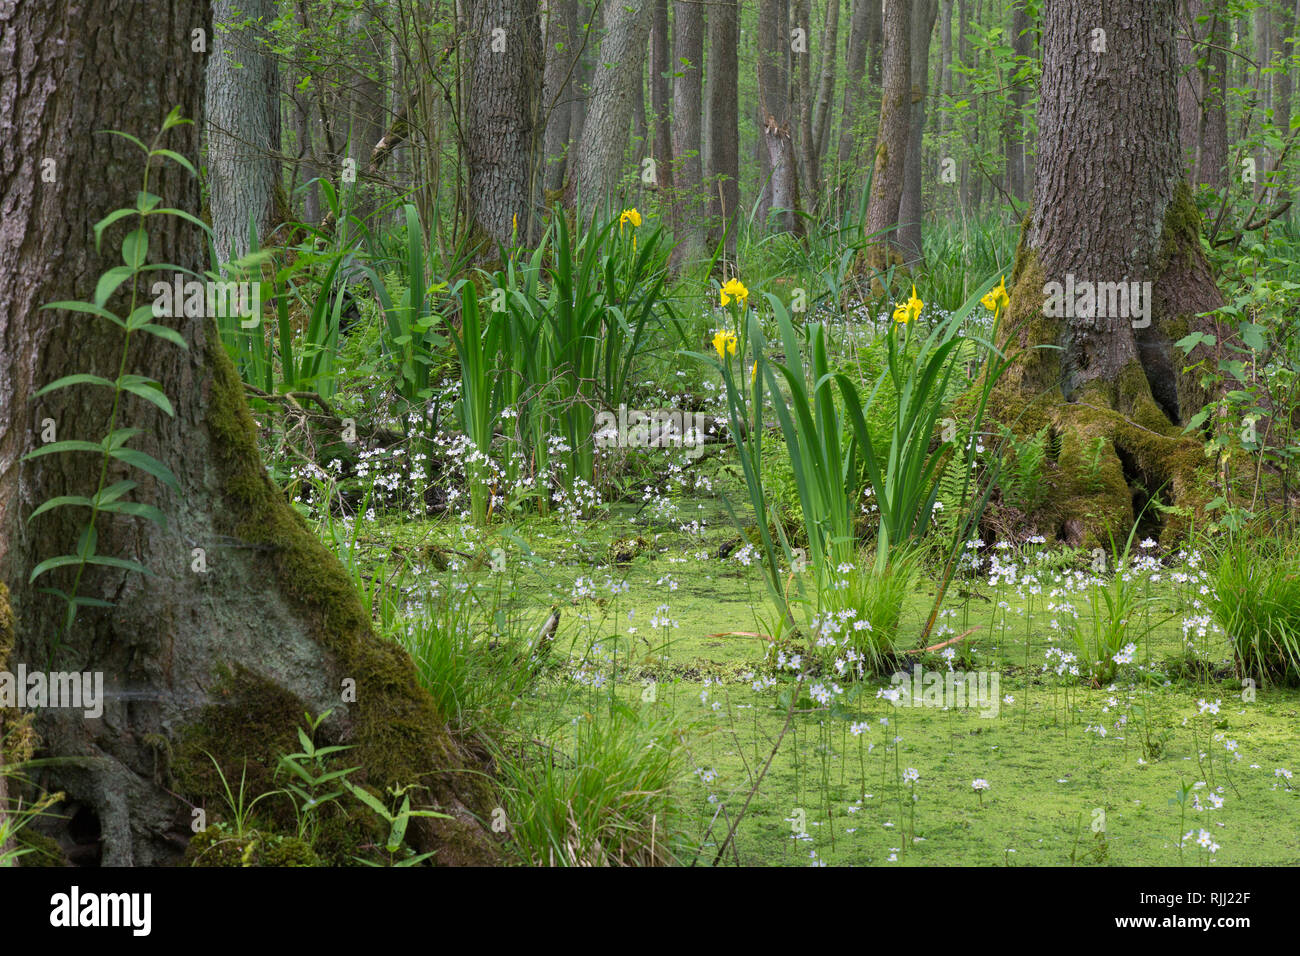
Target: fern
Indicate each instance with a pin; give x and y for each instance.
(1091, 472)
(1023, 486)
(112, 498)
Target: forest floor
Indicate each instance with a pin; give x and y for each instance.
(1116, 774)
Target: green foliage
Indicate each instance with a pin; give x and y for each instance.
(310, 781)
(409, 335)
(473, 656)
(1254, 372)
(1023, 481)
(1255, 598)
(111, 498)
(563, 330)
(607, 801)
(1116, 620)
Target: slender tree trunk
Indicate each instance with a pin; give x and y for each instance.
(1022, 44)
(891, 145)
(909, 211)
(801, 95)
(1283, 26)
(851, 112)
(660, 108)
(243, 125)
(945, 87)
(688, 161)
(504, 53)
(774, 109)
(560, 50)
(964, 58)
(599, 167)
(1203, 124)
(226, 659)
(586, 36)
(825, 83)
(722, 164)
(1110, 208)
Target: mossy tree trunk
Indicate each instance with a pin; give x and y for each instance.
(1109, 206)
(274, 612)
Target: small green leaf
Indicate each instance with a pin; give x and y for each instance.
(81, 378)
(147, 463)
(62, 501)
(149, 390)
(56, 447)
(66, 560)
(135, 246)
(115, 491)
(109, 282)
(178, 159)
(84, 307)
(163, 332)
(111, 218)
(137, 509)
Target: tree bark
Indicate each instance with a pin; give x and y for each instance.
(598, 170)
(924, 13)
(501, 124)
(274, 626)
(560, 53)
(661, 108)
(1108, 207)
(243, 125)
(891, 145)
(688, 171)
(781, 187)
(722, 163)
(1203, 124)
(851, 112)
(825, 83)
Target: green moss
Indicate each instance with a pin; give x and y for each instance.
(249, 726)
(393, 728)
(216, 847)
(45, 850)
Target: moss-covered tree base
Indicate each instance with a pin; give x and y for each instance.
(1115, 453)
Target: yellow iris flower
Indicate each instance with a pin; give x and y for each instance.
(908, 311)
(734, 289)
(724, 342)
(629, 216)
(995, 300)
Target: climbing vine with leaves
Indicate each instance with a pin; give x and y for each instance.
(112, 498)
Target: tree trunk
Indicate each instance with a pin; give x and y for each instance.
(225, 661)
(1283, 26)
(852, 111)
(909, 210)
(243, 125)
(505, 63)
(1014, 133)
(559, 52)
(688, 61)
(945, 87)
(825, 84)
(661, 108)
(891, 144)
(598, 171)
(722, 163)
(781, 188)
(1203, 124)
(1109, 207)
